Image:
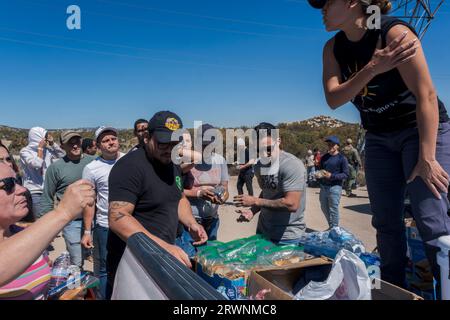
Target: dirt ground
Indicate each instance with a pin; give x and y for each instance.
(355, 216)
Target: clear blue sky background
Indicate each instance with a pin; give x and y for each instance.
(227, 62)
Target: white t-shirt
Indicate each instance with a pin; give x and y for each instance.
(97, 172)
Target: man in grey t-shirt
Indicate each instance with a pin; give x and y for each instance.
(282, 178)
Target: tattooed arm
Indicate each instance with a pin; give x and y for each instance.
(122, 223)
(290, 201)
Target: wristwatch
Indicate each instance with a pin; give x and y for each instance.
(88, 232)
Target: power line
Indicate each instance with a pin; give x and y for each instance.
(108, 53)
(178, 25)
(196, 27)
(264, 24)
(100, 43)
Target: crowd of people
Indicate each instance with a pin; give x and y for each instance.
(100, 201)
(145, 191)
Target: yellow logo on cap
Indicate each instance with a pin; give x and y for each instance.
(172, 124)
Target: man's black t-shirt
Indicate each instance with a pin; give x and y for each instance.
(154, 189)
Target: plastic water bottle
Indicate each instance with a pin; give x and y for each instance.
(59, 271)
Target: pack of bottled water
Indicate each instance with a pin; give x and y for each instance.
(329, 243)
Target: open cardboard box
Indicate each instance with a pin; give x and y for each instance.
(281, 282)
(236, 289)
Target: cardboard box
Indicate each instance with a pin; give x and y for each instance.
(281, 282)
(234, 289)
(237, 289)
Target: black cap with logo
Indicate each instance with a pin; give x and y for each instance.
(163, 124)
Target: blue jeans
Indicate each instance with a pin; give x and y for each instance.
(185, 240)
(211, 226)
(311, 173)
(100, 254)
(330, 197)
(36, 200)
(72, 236)
(390, 159)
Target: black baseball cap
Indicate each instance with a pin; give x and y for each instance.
(317, 4)
(163, 124)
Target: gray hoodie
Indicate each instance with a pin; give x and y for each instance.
(34, 168)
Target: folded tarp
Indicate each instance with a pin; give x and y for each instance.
(148, 272)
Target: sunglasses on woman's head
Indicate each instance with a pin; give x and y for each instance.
(9, 184)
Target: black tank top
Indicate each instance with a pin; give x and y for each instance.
(385, 104)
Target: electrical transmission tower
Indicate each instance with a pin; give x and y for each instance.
(418, 13)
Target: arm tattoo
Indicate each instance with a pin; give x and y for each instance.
(118, 215)
(273, 204)
(277, 204)
(116, 212)
(118, 204)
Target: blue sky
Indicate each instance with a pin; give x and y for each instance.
(227, 62)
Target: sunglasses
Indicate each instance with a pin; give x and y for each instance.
(6, 159)
(268, 149)
(165, 146)
(9, 184)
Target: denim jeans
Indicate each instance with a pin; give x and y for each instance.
(390, 160)
(330, 197)
(72, 236)
(36, 199)
(211, 226)
(100, 254)
(185, 241)
(311, 171)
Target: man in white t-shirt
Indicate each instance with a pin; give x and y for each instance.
(97, 172)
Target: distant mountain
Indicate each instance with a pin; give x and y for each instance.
(320, 122)
(17, 138)
(297, 137)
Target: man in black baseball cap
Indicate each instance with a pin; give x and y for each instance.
(163, 135)
(163, 124)
(146, 195)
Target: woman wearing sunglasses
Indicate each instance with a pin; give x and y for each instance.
(24, 265)
(383, 71)
(7, 158)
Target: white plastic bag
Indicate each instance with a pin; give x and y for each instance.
(348, 280)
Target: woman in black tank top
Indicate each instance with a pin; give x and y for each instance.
(383, 71)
